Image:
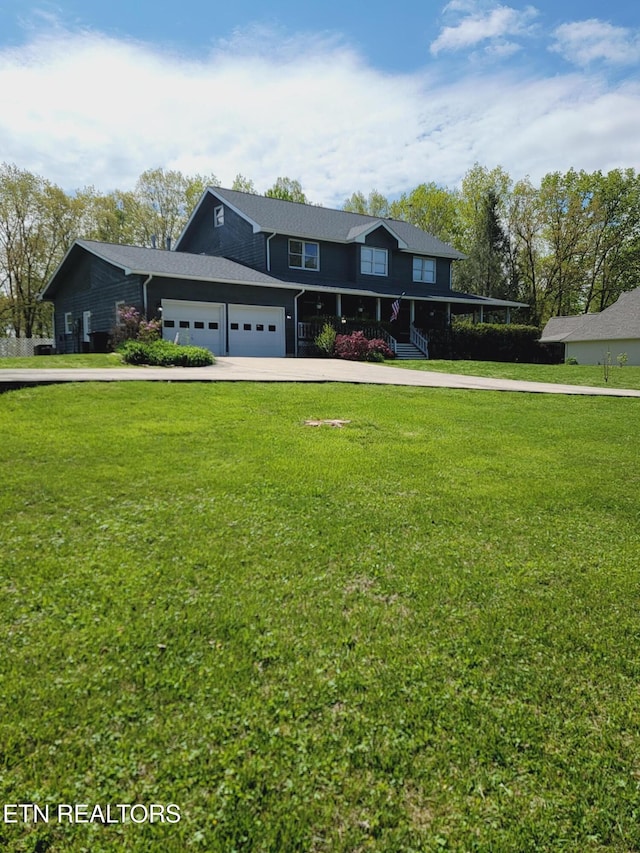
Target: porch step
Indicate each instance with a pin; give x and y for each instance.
(409, 351)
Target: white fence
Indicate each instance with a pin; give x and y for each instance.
(15, 347)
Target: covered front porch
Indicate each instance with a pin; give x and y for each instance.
(417, 317)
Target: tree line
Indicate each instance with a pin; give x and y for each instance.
(569, 245)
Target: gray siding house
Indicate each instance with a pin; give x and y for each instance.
(252, 275)
(596, 338)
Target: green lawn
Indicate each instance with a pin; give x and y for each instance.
(80, 360)
(414, 633)
(572, 374)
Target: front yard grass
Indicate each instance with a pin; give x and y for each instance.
(79, 360)
(565, 374)
(416, 632)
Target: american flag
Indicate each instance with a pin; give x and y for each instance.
(395, 308)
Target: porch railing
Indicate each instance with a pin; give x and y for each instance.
(309, 332)
(419, 340)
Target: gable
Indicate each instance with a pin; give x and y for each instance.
(382, 238)
(311, 222)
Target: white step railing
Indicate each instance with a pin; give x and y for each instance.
(392, 343)
(419, 340)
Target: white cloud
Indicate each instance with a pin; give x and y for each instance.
(583, 42)
(480, 26)
(81, 108)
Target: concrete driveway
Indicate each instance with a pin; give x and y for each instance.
(296, 370)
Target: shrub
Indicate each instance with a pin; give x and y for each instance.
(495, 342)
(164, 354)
(133, 326)
(356, 347)
(326, 340)
(149, 330)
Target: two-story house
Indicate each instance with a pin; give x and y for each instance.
(249, 275)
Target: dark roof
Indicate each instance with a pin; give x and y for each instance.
(322, 223)
(140, 261)
(619, 321)
(180, 264)
(134, 260)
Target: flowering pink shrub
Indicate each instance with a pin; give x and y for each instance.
(356, 347)
(149, 330)
(133, 326)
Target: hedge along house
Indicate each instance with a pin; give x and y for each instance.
(252, 275)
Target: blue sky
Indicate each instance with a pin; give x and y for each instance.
(341, 96)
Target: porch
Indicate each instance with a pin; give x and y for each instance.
(407, 335)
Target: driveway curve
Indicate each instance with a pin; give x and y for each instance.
(229, 369)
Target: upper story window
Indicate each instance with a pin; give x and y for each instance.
(424, 269)
(218, 216)
(303, 255)
(374, 261)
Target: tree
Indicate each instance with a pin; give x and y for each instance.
(109, 217)
(482, 212)
(432, 208)
(375, 205)
(242, 184)
(288, 190)
(38, 223)
(162, 203)
(614, 238)
(525, 248)
(155, 211)
(565, 203)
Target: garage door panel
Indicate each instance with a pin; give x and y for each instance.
(256, 330)
(200, 324)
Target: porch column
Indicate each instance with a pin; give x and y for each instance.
(508, 316)
(378, 309)
(338, 305)
(448, 309)
(412, 311)
(481, 320)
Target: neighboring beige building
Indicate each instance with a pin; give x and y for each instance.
(589, 337)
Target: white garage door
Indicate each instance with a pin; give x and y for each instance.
(256, 330)
(200, 324)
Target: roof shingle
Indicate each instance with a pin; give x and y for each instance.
(619, 321)
(322, 223)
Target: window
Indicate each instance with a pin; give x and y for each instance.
(119, 304)
(68, 323)
(424, 269)
(303, 255)
(218, 216)
(374, 261)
